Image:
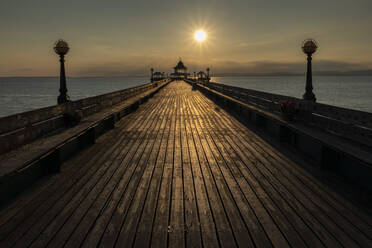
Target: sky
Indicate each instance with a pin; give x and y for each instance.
(127, 38)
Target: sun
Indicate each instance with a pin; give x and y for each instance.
(200, 35)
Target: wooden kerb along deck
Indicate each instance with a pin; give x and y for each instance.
(181, 172)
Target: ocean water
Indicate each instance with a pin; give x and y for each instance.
(354, 92)
(23, 94)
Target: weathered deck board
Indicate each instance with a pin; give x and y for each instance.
(304, 191)
(181, 172)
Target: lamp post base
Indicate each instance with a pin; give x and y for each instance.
(63, 99)
(309, 96)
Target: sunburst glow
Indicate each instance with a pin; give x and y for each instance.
(200, 35)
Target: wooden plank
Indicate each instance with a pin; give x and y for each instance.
(192, 223)
(159, 237)
(130, 180)
(76, 206)
(51, 201)
(176, 236)
(291, 214)
(291, 198)
(338, 203)
(146, 165)
(49, 187)
(355, 232)
(143, 233)
(335, 202)
(240, 232)
(254, 226)
(90, 222)
(327, 219)
(206, 217)
(182, 172)
(47, 202)
(223, 226)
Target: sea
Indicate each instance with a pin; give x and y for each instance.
(20, 94)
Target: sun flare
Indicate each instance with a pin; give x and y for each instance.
(200, 35)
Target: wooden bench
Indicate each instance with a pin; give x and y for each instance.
(348, 159)
(21, 167)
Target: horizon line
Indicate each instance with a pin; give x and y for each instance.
(229, 74)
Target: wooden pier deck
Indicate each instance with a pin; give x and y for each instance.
(181, 172)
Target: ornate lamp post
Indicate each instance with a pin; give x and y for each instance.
(309, 47)
(152, 74)
(61, 48)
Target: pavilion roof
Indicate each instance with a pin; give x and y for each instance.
(180, 65)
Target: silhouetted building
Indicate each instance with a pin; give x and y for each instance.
(202, 77)
(180, 71)
(158, 76)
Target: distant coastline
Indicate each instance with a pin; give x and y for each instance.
(315, 73)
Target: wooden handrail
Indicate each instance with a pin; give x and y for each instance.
(351, 124)
(26, 119)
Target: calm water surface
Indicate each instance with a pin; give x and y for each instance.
(353, 92)
(24, 94)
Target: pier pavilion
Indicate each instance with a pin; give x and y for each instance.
(202, 77)
(158, 76)
(180, 71)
